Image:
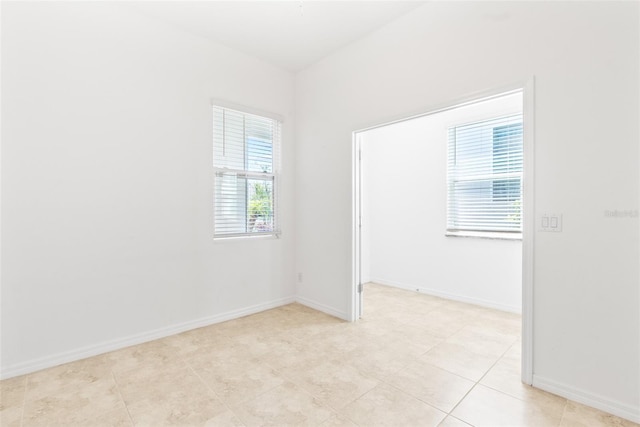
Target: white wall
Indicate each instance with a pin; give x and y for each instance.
(107, 182)
(584, 56)
(404, 186)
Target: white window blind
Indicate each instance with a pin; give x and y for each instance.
(484, 176)
(245, 161)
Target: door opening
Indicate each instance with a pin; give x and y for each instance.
(424, 197)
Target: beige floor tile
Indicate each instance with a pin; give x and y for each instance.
(500, 321)
(577, 415)
(74, 405)
(388, 406)
(515, 352)
(379, 298)
(150, 355)
(170, 396)
(298, 355)
(187, 343)
(410, 356)
(155, 383)
(286, 404)
(12, 392)
(272, 323)
(419, 313)
(116, 418)
(50, 382)
(334, 384)
(452, 422)
(235, 327)
(460, 360)
(309, 327)
(274, 320)
(432, 385)
(381, 360)
(297, 309)
(418, 336)
(144, 379)
(260, 343)
(377, 326)
(338, 420)
(404, 343)
(483, 340)
(350, 337)
(419, 301)
(11, 416)
(225, 419)
(176, 409)
(235, 381)
(228, 349)
(487, 407)
(444, 321)
(386, 315)
(505, 376)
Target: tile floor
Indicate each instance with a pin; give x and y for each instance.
(413, 360)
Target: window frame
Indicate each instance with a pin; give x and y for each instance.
(491, 233)
(246, 173)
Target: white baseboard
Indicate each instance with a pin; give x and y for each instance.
(455, 297)
(323, 308)
(117, 344)
(619, 409)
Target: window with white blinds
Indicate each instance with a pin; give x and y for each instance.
(245, 161)
(484, 177)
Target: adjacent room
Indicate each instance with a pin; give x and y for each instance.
(441, 203)
(180, 199)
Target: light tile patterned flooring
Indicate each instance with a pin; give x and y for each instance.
(413, 360)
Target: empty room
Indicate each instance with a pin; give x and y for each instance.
(189, 222)
(441, 202)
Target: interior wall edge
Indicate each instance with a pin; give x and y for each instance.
(323, 308)
(38, 364)
(614, 407)
(454, 297)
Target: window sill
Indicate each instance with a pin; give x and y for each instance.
(494, 235)
(241, 238)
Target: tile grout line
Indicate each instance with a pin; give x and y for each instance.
(226, 405)
(24, 400)
(126, 407)
(459, 419)
(303, 390)
(290, 379)
(299, 385)
(500, 391)
(437, 367)
(461, 400)
(464, 325)
(564, 410)
(417, 398)
(480, 379)
(510, 395)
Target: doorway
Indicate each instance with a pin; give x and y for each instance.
(402, 169)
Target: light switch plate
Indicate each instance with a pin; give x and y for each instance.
(551, 222)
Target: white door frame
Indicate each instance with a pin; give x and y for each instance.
(528, 215)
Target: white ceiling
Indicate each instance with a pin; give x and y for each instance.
(289, 34)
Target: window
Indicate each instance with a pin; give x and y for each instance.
(245, 161)
(484, 177)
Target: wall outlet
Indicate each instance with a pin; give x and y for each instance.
(299, 277)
